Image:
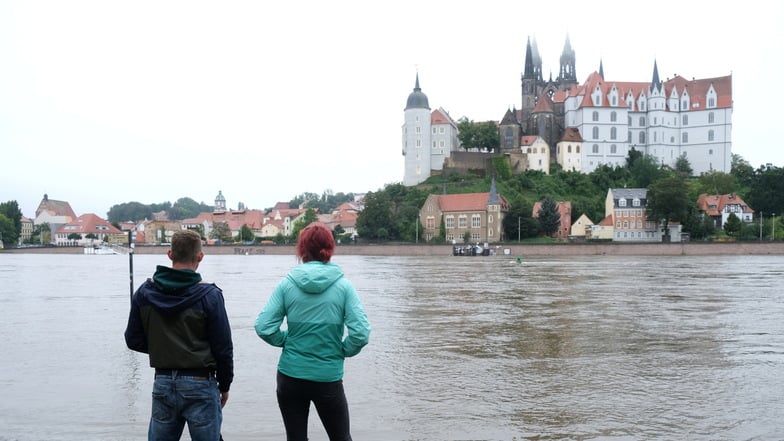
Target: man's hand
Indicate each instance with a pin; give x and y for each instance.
(224, 398)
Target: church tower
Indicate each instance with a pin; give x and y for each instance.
(529, 81)
(220, 203)
(416, 137)
(567, 76)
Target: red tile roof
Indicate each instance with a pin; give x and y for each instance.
(466, 202)
(713, 205)
(89, 223)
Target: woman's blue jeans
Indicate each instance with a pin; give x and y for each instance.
(294, 398)
(178, 399)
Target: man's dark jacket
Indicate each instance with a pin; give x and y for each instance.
(182, 324)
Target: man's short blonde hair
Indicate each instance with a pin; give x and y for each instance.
(185, 246)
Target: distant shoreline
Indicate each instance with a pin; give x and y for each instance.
(571, 249)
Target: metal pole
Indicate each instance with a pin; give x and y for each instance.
(773, 232)
(130, 259)
(760, 222)
(518, 228)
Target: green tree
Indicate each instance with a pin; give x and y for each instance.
(376, 216)
(246, 234)
(12, 212)
(644, 171)
(186, 208)
(766, 192)
(716, 182)
(221, 231)
(308, 218)
(478, 135)
(74, 236)
(668, 202)
(683, 166)
(549, 216)
(6, 230)
(129, 211)
(733, 225)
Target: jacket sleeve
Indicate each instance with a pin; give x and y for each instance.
(356, 322)
(271, 317)
(135, 338)
(220, 340)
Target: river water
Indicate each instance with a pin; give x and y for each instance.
(462, 348)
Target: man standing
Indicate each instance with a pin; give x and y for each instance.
(181, 322)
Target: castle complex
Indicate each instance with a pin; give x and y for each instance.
(582, 127)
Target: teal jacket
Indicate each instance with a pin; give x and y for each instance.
(319, 305)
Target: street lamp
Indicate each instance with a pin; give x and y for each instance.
(773, 232)
(518, 229)
(760, 222)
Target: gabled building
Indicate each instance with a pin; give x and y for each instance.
(582, 228)
(88, 224)
(629, 210)
(479, 216)
(53, 212)
(568, 151)
(537, 153)
(720, 206)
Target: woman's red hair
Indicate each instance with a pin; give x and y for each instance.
(315, 242)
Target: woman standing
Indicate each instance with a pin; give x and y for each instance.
(319, 305)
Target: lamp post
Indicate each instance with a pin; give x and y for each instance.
(760, 222)
(773, 230)
(518, 229)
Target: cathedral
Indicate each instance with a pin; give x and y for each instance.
(584, 126)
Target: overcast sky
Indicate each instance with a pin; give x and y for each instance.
(107, 102)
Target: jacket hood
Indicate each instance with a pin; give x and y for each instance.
(171, 290)
(315, 277)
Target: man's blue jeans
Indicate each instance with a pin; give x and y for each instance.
(177, 399)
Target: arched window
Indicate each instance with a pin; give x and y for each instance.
(595, 133)
(710, 117)
(613, 132)
(595, 116)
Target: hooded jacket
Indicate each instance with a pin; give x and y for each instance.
(319, 305)
(181, 322)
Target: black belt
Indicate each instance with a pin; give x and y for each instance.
(184, 372)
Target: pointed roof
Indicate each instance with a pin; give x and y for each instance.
(528, 73)
(572, 134)
(544, 104)
(655, 82)
(493, 198)
(509, 118)
(417, 99)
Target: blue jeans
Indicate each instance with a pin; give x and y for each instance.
(177, 399)
(294, 398)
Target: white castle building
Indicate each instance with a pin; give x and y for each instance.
(589, 125)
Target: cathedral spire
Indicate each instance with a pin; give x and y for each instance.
(529, 61)
(601, 69)
(567, 63)
(655, 83)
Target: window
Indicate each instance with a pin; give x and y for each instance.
(462, 222)
(441, 143)
(625, 225)
(639, 225)
(434, 130)
(710, 117)
(577, 149)
(642, 137)
(476, 221)
(595, 133)
(595, 116)
(449, 222)
(569, 148)
(618, 225)
(685, 120)
(418, 130)
(596, 148)
(613, 149)
(711, 102)
(642, 121)
(419, 143)
(636, 202)
(441, 130)
(613, 132)
(685, 137)
(621, 203)
(430, 222)
(613, 116)
(508, 137)
(710, 135)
